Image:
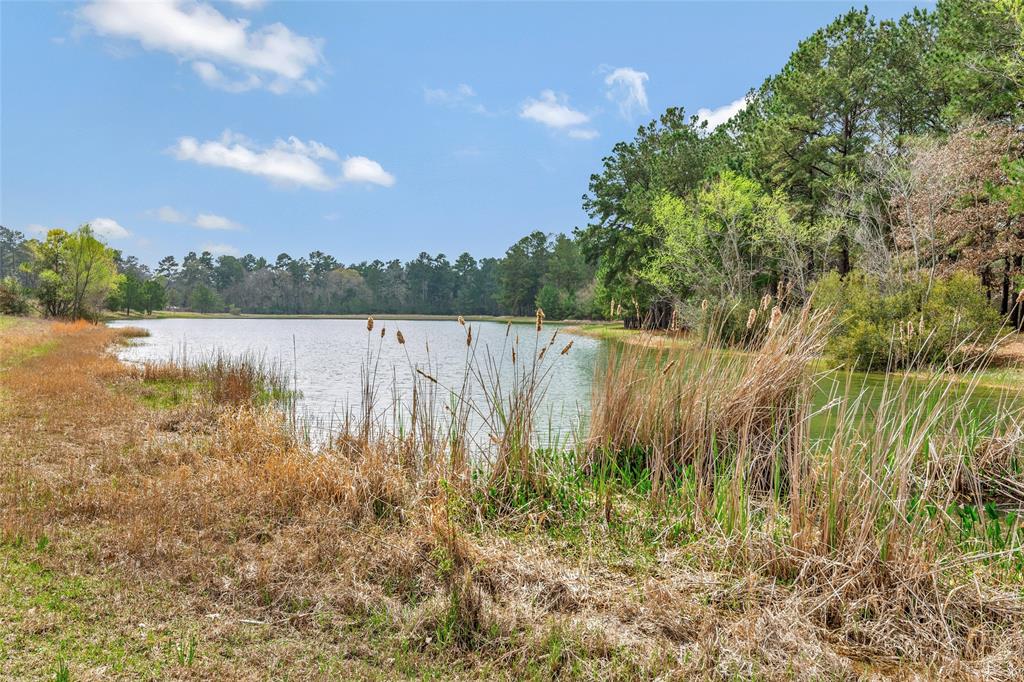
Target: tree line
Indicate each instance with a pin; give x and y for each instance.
(539, 270)
(889, 148)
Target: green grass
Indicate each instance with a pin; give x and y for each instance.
(68, 622)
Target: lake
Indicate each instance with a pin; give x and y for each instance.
(325, 358)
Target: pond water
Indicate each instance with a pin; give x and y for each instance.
(325, 359)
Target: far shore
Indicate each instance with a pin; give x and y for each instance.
(583, 325)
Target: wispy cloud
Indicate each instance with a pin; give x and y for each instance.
(553, 111)
(461, 96)
(718, 116)
(221, 249)
(212, 221)
(626, 87)
(286, 162)
(168, 214)
(204, 221)
(271, 57)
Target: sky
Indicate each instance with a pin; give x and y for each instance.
(365, 130)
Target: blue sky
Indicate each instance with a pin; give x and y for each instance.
(367, 130)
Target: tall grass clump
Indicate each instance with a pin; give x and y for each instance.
(881, 521)
(708, 412)
(223, 379)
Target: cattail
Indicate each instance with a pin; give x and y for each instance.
(566, 349)
(369, 323)
(540, 319)
(766, 301)
(508, 328)
(920, 325)
(469, 336)
(462, 321)
(751, 316)
(540, 355)
(382, 330)
(401, 339)
(910, 329)
(513, 356)
(424, 374)
(668, 367)
(776, 317)
(704, 306)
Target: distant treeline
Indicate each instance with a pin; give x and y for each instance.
(537, 271)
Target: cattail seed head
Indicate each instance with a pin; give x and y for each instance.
(469, 336)
(540, 319)
(540, 355)
(776, 317)
(462, 321)
(369, 323)
(566, 349)
(508, 328)
(766, 301)
(401, 339)
(425, 375)
(382, 330)
(751, 316)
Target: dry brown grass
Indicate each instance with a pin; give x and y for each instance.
(376, 556)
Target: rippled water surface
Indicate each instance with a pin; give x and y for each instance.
(325, 358)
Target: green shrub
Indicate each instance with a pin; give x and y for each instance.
(13, 297)
(946, 321)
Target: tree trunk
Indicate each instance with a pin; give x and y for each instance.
(1004, 307)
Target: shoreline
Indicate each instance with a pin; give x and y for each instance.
(515, 319)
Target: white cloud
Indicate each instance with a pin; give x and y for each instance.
(286, 162)
(271, 56)
(168, 214)
(626, 88)
(108, 228)
(716, 117)
(463, 97)
(248, 4)
(362, 169)
(221, 249)
(205, 221)
(553, 111)
(212, 221)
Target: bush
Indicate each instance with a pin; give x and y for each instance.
(13, 297)
(946, 321)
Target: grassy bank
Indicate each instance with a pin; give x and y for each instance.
(697, 533)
